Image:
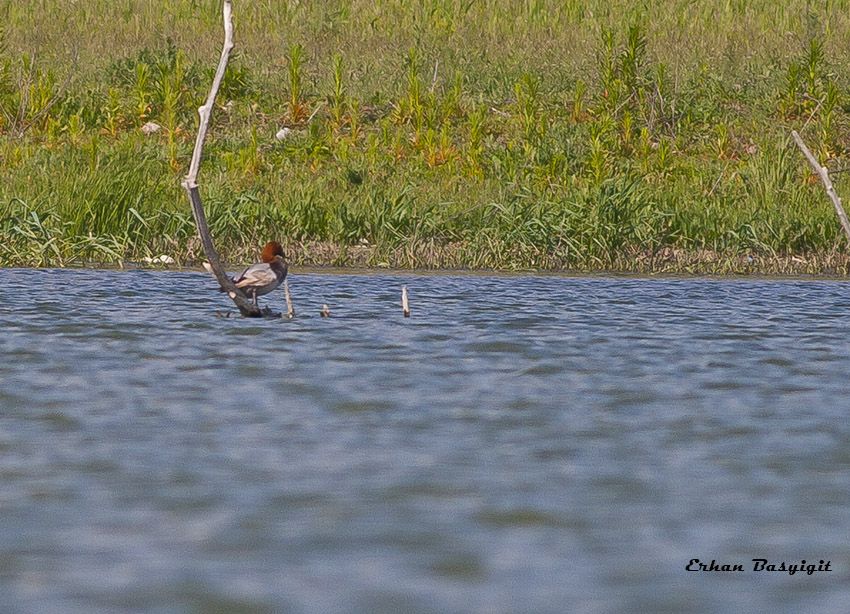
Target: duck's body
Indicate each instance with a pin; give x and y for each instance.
(261, 278)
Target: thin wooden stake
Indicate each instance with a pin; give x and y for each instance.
(190, 183)
(405, 305)
(290, 310)
(824, 177)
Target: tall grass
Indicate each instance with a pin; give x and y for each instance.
(540, 134)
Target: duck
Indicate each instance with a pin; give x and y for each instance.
(263, 277)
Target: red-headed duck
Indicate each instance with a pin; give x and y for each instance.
(262, 278)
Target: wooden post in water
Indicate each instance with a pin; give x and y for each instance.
(190, 183)
(824, 177)
(290, 310)
(405, 305)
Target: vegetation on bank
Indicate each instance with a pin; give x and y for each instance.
(543, 134)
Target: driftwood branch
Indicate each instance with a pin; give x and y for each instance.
(190, 183)
(824, 177)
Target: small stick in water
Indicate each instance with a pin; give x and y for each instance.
(326, 312)
(290, 310)
(405, 306)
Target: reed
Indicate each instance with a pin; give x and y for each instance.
(531, 135)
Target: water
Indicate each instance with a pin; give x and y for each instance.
(521, 444)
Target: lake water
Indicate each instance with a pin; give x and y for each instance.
(520, 444)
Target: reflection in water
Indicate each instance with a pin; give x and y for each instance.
(536, 444)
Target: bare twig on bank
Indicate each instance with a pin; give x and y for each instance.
(824, 176)
(315, 111)
(434, 78)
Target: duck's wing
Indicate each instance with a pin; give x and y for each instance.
(247, 272)
(256, 275)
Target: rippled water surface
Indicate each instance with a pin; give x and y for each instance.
(521, 444)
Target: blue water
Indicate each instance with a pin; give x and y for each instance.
(520, 444)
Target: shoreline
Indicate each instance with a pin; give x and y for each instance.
(462, 272)
(427, 258)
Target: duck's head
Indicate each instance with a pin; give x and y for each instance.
(272, 250)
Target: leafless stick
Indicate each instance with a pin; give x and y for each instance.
(816, 109)
(434, 78)
(824, 176)
(405, 305)
(290, 310)
(317, 109)
(717, 183)
(190, 183)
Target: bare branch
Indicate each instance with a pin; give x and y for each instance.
(316, 110)
(206, 110)
(190, 183)
(824, 177)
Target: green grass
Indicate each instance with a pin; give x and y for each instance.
(536, 134)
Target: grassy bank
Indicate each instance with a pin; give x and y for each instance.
(541, 134)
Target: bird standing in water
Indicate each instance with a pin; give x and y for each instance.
(262, 278)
